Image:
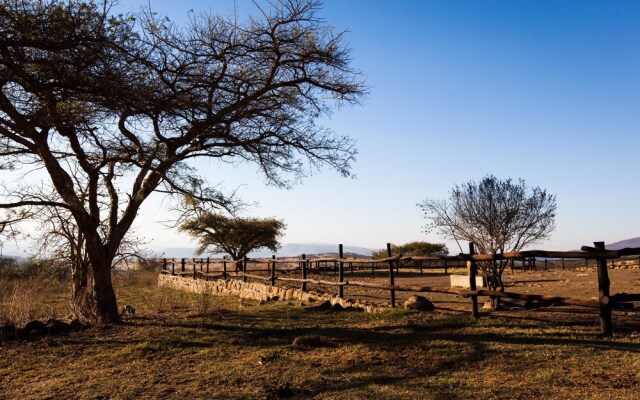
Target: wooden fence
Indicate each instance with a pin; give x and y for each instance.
(207, 268)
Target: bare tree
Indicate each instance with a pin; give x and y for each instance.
(123, 104)
(497, 215)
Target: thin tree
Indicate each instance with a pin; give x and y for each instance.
(122, 104)
(497, 215)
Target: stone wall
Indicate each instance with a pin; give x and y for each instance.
(257, 291)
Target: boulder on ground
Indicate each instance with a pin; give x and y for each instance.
(57, 327)
(418, 303)
(319, 306)
(34, 328)
(76, 325)
(310, 342)
(8, 331)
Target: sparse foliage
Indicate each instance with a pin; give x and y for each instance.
(497, 215)
(414, 249)
(114, 108)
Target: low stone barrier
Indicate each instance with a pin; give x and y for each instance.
(259, 291)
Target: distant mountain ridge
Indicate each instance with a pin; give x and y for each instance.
(287, 250)
(633, 242)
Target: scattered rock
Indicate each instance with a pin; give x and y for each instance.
(418, 303)
(319, 306)
(76, 325)
(57, 327)
(487, 305)
(8, 332)
(285, 391)
(310, 342)
(34, 328)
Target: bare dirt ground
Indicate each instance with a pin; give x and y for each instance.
(580, 283)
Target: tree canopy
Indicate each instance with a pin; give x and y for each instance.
(414, 249)
(120, 105)
(497, 215)
(236, 236)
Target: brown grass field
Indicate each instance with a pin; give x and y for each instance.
(196, 346)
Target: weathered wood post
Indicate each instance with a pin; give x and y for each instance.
(563, 263)
(445, 266)
(183, 267)
(373, 268)
(304, 273)
(420, 266)
(193, 261)
(473, 271)
(224, 268)
(340, 272)
(273, 270)
(164, 264)
(244, 268)
(391, 278)
(603, 292)
(173, 266)
(207, 276)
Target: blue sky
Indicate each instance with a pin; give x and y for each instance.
(547, 91)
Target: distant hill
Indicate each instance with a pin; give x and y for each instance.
(633, 242)
(287, 250)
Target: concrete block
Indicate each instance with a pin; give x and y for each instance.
(463, 281)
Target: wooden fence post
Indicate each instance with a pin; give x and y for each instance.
(207, 277)
(603, 292)
(183, 267)
(340, 272)
(224, 269)
(273, 270)
(445, 266)
(304, 273)
(173, 266)
(391, 278)
(244, 268)
(164, 264)
(373, 268)
(473, 271)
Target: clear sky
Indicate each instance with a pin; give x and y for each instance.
(547, 91)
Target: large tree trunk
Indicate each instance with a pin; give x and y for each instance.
(105, 296)
(106, 306)
(82, 299)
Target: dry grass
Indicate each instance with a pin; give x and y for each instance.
(196, 346)
(33, 297)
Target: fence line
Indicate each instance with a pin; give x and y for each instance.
(605, 303)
